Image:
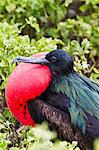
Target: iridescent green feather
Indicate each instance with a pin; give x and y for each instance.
(84, 97)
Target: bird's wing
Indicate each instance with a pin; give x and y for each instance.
(84, 97)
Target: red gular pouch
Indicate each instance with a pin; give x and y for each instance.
(26, 82)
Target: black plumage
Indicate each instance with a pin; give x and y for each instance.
(73, 98)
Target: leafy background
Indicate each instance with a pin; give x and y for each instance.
(31, 26)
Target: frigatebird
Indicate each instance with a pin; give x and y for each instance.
(51, 77)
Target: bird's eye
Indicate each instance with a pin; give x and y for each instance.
(53, 59)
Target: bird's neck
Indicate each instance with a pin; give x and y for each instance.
(57, 79)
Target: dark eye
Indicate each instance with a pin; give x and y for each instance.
(53, 59)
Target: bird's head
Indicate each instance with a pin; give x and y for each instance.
(59, 61)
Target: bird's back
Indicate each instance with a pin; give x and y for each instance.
(62, 102)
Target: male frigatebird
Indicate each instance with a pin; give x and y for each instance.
(50, 77)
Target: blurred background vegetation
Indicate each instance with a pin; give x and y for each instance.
(31, 26)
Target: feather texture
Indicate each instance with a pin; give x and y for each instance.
(83, 94)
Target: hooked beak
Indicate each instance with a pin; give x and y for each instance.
(31, 60)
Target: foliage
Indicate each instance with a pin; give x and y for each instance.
(96, 144)
(39, 138)
(31, 26)
(55, 18)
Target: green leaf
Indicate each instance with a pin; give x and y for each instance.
(33, 23)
